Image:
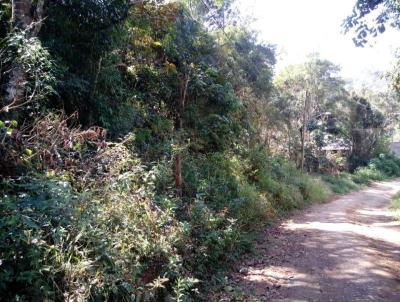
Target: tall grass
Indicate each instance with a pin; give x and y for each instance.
(384, 167)
(395, 205)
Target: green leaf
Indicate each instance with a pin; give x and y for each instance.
(28, 152)
(28, 221)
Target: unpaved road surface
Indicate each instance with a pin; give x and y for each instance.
(345, 250)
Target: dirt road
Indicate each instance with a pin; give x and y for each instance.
(345, 250)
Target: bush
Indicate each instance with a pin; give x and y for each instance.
(288, 187)
(118, 231)
(109, 244)
(383, 167)
(288, 198)
(364, 175)
(387, 164)
(38, 227)
(315, 190)
(213, 239)
(340, 183)
(253, 210)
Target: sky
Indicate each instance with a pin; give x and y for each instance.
(299, 28)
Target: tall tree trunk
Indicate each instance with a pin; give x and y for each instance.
(303, 131)
(289, 143)
(23, 20)
(178, 175)
(179, 125)
(15, 90)
(21, 17)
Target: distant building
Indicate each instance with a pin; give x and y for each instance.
(337, 146)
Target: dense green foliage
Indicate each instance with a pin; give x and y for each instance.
(122, 234)
(144, 144)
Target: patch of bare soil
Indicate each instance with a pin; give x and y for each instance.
(345, 250)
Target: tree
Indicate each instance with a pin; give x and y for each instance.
(306, 91)
(76, 33)
(26, 20)
(366, 128)
(386, 102)
(85, 38)
(215, 14)
(248, 65)
(388, 13)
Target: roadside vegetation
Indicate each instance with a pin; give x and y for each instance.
(395, 206)
(383, 167)
(144, 143)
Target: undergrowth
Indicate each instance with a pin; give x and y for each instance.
(100, 224)
(383, 167)
(114, 230)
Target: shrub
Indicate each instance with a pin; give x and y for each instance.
(315, 190)
(288, 198)
(109, 244)
(364, 175)
(383, 167)
(288, 187)
(253, 210)
(214, 239)
(38, 229)
(387, 164)
(340, 183)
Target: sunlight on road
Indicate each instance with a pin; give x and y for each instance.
(379, 231)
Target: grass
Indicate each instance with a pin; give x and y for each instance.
(395, 205)
(383, 167)
(341, 183)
